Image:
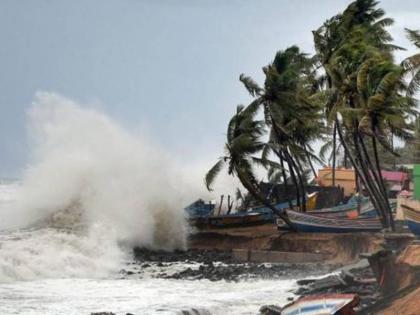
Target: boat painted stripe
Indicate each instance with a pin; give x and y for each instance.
(332, 308)
(333, 221)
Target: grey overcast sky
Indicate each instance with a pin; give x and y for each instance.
(169, 67)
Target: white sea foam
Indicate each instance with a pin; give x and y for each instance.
(151, 296)
(101, 185)
(91, 192)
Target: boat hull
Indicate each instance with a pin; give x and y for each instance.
(309, 223)
(412, 219)
(235, 220)
(327, 304)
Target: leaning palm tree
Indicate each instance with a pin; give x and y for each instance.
(412, 63)
(344, 44)
(290, 113)
(243, 142)
(383, 110)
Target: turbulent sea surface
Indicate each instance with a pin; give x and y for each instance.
(91, 192)
(49, 270)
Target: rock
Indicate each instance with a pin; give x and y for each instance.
(229, 270)
(195, 311)
(348, 277)
(102, 313)
(270, 310)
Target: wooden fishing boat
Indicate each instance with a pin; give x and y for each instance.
(266, 211)
(232, 220)
(305, 222)
(412, 218)
(367, 210)
(199, 208)
(326, 304)
(350, 212)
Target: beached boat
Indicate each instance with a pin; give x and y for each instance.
(350, 211)
(326, 304)
(266, 211)
(305, 222)
(367, 210)
(351, 204)
(412, 218)
(253, 216)
(199, 208)
(232, 220)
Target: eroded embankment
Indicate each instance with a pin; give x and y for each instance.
(402, 284)
(333, 248)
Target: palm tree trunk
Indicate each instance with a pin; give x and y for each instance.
(375, 191)
(357, 168)
(310, 161)
(289, 163)
(334, 153)
(368, 169)
(358, 191)
(283, 172)
(299, 171)
(221, 203)
(345, 160)
(294, 179)
(382, 183)
(376, 171)
(230, 205)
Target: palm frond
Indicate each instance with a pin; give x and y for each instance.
(414, 85)
(213, 172)
(252, 86)
(413, 36)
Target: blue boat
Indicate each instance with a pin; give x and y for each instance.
(309, 223)
(199, 209)
(324, 304)
(348, 210)
(268, 213)
(367, 210)
(412, 218)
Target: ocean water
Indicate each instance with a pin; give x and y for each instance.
(93, 190)
(46, 269)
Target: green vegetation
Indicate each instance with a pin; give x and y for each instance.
(351, 94)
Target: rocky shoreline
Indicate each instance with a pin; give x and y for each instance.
(217, 265)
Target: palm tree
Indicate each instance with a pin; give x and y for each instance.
(243, 142)
(344, 44)
(290, 112)
(383, 110)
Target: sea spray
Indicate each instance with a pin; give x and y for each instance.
(91, 190)
(83, 158)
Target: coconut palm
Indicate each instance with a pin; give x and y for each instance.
(290, 113)
(243, 142)
(362, 15)
(344, 44)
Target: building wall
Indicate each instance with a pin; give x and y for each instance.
(344, 178)
(327, 196)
